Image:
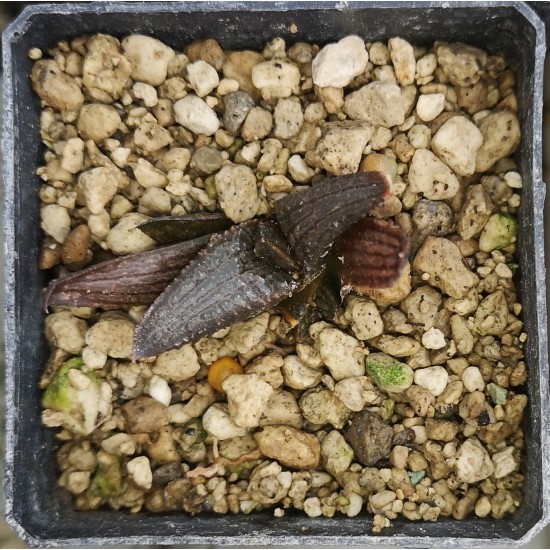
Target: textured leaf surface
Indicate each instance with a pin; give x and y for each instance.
(371, 254)
(130, 280)
(226, 283)
(170, 229)
(313, 219)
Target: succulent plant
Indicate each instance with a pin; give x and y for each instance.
(219, 275)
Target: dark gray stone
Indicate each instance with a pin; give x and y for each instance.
(369, 437)
(430, 218)
(206, 160)
(236, 106)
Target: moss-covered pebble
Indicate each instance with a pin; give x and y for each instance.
(389, 374)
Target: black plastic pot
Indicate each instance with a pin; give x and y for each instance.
(40, 512)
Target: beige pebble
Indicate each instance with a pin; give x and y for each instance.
(457, 143)
(337, 64)
(124, 238)
(277, 184)
(149, 57)
(433, 338)
(402, 57)
(434, 379)
(473, 379)
(226, 86)
(429, 106)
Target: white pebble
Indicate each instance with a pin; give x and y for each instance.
(139, 469)
(237, 192)
(73, 155)
(501, 135)
(472, 379)
(251, 152)
(504, 462)
(404, 63)
(378, 103)
(149, 58)
(315, 112)
(513, 179)
(299, 170)
(178, 364)
(288, 118)
(379, 54)
(100, 224)
(275, 78)
(146, 92)
(355, 505)
(285, 479)
(202, 77)
(99, 186)
(120, 156)
(380, 500)
(147, 175)
(419, 136)
(341, 148)
(337, 64)
(312, 507)
(420, 434)
(429, 106)
(434, 379)
(56, 222)
(217, 422)
(364, 317)
(433, 339)
(382, 136)
(426, 65)
(247, 397)
(160, 390)
(156, 200)
(472, 462)
(299, 376)
(457, 143)
(93, 358)
(79, 381)
(125, 238)
(342, 354)
(119, 444)
(193, 113)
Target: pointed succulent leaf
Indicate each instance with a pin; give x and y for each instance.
(130, 280)
(328, 298)
(272, 246)
(297, 307)
(171, 229)
(313, 219)
(226, 283)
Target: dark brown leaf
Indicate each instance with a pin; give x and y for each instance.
(272, 246)
(297, 307)
(328, 298)
(130, 280)
(371, 254)
(311, 220)
(226, 283)
(170, 230)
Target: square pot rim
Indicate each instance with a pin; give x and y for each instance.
(20, 26)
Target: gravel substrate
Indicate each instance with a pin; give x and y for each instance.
(409, 401)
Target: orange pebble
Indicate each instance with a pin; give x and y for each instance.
(220, 369)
